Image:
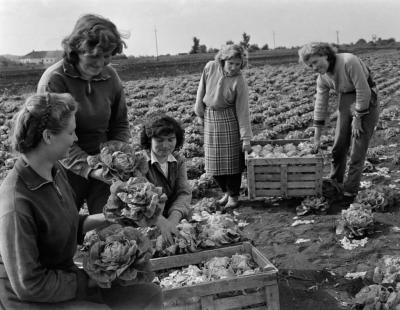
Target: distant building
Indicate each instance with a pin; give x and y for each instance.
(41, 57)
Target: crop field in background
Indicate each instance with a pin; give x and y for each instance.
(281, 99)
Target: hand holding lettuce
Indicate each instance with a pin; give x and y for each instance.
(136, 200)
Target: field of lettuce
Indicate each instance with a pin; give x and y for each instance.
(311, 258)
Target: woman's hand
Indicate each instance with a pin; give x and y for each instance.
(98, 175)
(167, 228)
(356, 126)
(200, 121)
(246, 147)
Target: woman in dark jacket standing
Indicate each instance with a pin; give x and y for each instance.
(86, 74)
(358, 110)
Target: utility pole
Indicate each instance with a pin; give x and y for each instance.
(337, 37)
(273, 36)
(155, 33)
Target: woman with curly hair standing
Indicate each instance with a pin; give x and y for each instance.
(358, 110)
(86, 74)
(222, 106)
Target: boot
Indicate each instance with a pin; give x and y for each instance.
(233, 202)
(223, 200)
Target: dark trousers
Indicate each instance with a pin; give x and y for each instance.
(344, 141)
(93, 191)
(229, 183)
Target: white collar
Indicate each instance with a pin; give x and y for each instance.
(153, 159)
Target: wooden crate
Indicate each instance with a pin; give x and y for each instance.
(286, 177)
(261, 289)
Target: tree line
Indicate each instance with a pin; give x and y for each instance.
(198, 48)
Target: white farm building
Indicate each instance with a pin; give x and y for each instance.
(41, 57)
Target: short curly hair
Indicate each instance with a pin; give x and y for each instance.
(231, 51)
(161, 124)
(316, 49)
(92, 34)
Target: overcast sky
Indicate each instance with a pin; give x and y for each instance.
(27, 25)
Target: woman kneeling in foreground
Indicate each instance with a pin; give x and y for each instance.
(40, 224)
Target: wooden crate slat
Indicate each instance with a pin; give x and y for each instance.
(283, 160)
(301, 185)
(289, 185)
(303, 168)
(261, 260)
(267, 192)
(291, 176)
(267, 169)
(191, 306)
(272, 296)
(268, 185)
(276, 169)
(175, 261)
(221, 286)
(302, 192)
(267, 177)
(239, 301)
(300, 177)
(290, 192)
(251, 180)
(207, 302)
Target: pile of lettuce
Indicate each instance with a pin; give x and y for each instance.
(117, 255)
(215, 268)
(136, 200)
(378, 199)
(313, 204)
(119, 160)
(204, 230)
(356, 222)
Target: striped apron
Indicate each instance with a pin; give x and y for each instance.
(222, 145)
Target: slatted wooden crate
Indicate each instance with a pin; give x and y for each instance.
(286, 177)
(256, 291)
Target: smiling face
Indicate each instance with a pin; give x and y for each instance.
(91, 65)
(232, 66)
(318, 63)
(163, 146)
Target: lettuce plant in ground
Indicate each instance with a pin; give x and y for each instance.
(117, 255)
(136, 200)
(119, 160)
(357, 221)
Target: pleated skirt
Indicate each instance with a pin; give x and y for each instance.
(222, 144)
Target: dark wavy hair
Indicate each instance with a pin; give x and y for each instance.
(160, 124)
(317, 49)
(93, 34)
(49, 111)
